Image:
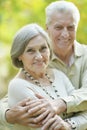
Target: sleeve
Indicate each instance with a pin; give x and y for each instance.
(78, 99)
(68, 85)
(3, 107)
(18, 90)
(78, 121)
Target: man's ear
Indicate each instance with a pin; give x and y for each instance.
(46, 28)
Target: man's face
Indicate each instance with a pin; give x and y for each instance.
(62, 31)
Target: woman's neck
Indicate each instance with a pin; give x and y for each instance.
(36, 75)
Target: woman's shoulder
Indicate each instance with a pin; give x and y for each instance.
(17, 81)
(58, 74)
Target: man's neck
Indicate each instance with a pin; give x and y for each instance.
(65, 56)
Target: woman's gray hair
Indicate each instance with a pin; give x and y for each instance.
(62, 6)
(21, 40)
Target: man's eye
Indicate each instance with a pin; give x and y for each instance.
(71, 28)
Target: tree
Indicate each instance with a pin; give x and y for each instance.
(13, 15)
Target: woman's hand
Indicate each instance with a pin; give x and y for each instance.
(56, 123)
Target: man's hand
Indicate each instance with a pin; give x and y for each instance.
(58, 105)
(33, 112)
(43, 109)
(56, 123)
(19, 114)
(40, 109)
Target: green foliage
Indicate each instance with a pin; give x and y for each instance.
(16, 13)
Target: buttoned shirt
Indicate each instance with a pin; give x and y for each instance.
(77, 73)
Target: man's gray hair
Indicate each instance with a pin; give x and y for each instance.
(62, 6)
(22, 38)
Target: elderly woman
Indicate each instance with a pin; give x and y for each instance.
(31, 53)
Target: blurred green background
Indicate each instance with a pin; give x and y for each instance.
(16, 13)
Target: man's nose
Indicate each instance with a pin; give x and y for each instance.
(65, 32)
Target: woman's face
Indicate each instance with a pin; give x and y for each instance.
(36, 55)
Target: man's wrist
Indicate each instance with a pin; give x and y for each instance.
(71, 123)
(61, 106)
(8, 118)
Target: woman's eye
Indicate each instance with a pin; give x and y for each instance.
(43, 48)
(30, 50)
(58, 27)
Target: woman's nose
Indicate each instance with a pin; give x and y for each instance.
(38, 55)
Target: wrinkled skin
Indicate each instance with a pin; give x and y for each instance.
(19, 114)
(34, 113)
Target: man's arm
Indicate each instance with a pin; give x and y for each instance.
(77, 101)
(17, 114)
(76, 122)
(3, 107)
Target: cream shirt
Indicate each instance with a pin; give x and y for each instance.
(77, 73)
(20, 89)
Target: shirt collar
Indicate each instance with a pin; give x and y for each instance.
(78, 51)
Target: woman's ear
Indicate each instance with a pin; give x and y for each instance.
(20, 58)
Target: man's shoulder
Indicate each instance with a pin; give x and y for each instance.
(84, 49)
(82, 45)
(81, 49)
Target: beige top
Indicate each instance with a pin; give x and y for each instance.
(77, 73)
(20, 89)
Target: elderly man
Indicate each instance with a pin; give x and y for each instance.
(69, 56)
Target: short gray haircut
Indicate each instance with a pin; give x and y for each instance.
(21, 40)
(62, 6)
